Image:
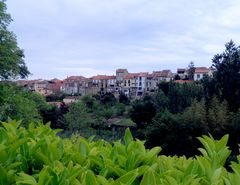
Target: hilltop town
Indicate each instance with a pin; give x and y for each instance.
(131, 84)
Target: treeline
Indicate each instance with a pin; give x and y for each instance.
(179, 113)
(174, 119)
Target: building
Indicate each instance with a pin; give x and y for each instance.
(120, 75)
(104, 83)
(71, 99)
(182, 73)
(141, 83)
(54, 85)
(74, 85)
(200, 72)
(130, 84)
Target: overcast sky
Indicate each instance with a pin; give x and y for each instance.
(87, 37)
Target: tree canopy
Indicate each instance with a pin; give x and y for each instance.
(227, 75)
(12, 64)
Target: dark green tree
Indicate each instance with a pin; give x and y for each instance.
(123, 99)
(227, 75)
(165, 131)
(209, 89)
(218, 115)
(12, 63)
(108, 99)
(191, 70)
(142, 112)
(161, 101)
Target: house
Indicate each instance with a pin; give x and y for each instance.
(100, 81)
(163, 76)
(104, 83)
(54, 85)
(71, 99)
(120, 75)
(182, 73)
(74, 85)
(111, 84)
(41, 86)
(130, 84)
(141, 83)
(151, 84)
(200, 72)
(157, 77)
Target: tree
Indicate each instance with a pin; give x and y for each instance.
(12, 63)
(108, 99)
(165, 131)
(191, 70)
(227, 75)
(209, 89)
(16, 103)
(142, 112)
(161, 101)
(123, 99)
(78, 117)
(217, 117)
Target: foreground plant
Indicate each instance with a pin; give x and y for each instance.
(37, 156)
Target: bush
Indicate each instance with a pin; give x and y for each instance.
(37, 156)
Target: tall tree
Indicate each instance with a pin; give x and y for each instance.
(227, 75)
(191, 70)
(12, 63)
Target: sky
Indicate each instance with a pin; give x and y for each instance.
(61, 38)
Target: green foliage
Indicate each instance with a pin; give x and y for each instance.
(142, 112)
(37, 156)
(12, 63)
(178, 96)
(123, 99)
(90, 117)
(78, 117)
(218, 115)
(161, 101)
(227, 76)
(108, 99)
(17, 103)
(165, 131)
(195, 116)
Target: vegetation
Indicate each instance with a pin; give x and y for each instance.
(17, 103)
(12, 63)
(37, 156)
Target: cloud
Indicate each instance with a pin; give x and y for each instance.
(88, 36)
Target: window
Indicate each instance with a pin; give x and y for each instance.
(198, 76)
(140, 78)
(140, 83)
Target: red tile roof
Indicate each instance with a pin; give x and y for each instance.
(183, 81)
(131, 75)
(103, 77)
(142, 74)
(164, 73)
(201, 70)
(75, 78)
